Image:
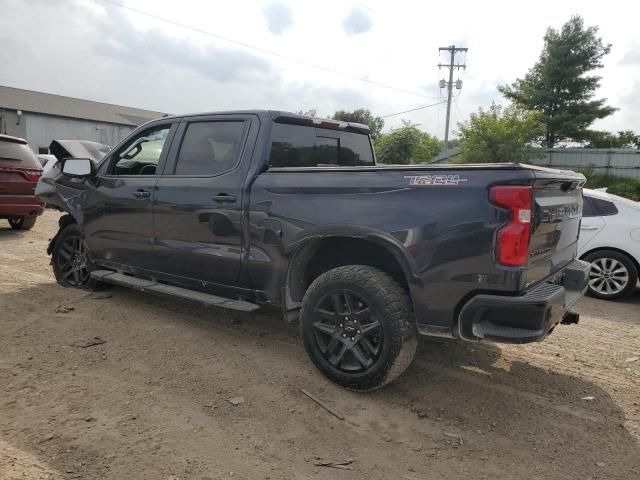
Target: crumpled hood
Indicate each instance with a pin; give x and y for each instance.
(78, 149)
(49, 190)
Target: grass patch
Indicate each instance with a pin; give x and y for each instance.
(628, 187)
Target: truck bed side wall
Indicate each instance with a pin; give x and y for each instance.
(445, 233)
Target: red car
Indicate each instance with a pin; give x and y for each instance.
(19, 174)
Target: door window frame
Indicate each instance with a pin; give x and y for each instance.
(180, 135)
(109, 160)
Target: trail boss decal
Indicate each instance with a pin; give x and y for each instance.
(426, 180)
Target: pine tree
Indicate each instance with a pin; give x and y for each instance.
(559, 85)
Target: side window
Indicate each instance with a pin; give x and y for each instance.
(305, 146)
(588, 208)
(140, 156)
(605, 207)
(210, 148)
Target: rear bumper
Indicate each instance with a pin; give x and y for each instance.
(20, 206)
(526, 318)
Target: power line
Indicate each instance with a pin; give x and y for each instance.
(413, 109)
(262, 50)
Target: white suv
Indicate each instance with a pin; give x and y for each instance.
(610, 240)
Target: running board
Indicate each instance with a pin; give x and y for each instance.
(150, 286)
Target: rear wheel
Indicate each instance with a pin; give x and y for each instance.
(22, 223)
(613, 275)
(70, 258)
(357, 327)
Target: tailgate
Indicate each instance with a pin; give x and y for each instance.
(557, 197)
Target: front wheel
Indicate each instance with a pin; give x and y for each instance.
(613, 275)
(70, 259)
(357, 326)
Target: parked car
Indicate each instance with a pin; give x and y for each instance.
(610, 241)
(47, 161)
(19, 174)
(241, 209)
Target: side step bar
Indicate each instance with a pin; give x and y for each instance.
(149, 286)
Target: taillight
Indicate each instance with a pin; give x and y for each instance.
(32, 175)
(29, 174)
(512, 240)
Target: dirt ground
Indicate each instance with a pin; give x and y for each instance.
(152, 402)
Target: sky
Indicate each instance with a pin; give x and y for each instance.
(298, 55)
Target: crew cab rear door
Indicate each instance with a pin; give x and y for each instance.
(198, 201)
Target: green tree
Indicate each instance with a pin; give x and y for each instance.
(364, 116)
(406, 145)
(559, 85)
(622, 139)
(499, 135)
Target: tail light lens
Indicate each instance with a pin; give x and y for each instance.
(512, 240)
(32, 175)
(29, 174)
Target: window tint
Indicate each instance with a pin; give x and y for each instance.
(355, 149)
(302, 146)
(588, 208)
(141, 155)
(605, 207)
(594, 207)
(18, 154)
(210, 148)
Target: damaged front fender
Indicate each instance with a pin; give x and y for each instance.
(61, 192)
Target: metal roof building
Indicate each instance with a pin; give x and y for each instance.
(42, 117)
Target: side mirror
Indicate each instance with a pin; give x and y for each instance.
(77, 167)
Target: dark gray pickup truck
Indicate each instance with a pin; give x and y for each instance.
(241, 209)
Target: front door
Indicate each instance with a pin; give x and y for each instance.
(118, 223)
(198, 203)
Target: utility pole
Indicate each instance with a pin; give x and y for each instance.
(452, 49)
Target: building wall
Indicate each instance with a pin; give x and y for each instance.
(9, 121)
(39, 130)
(42, 129)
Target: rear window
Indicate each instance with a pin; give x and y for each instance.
(19, 154)
(301, 146)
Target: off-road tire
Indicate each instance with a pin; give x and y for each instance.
(390, 305)
(22, 223)
(57, 260)
(626, 262)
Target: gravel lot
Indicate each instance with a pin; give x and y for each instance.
(152, 402)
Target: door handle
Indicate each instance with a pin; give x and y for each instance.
(589, 228)
(142, 193)
(224, 197)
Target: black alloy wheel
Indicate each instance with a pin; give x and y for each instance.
(357, 326)
(347, 331)
(72, 261)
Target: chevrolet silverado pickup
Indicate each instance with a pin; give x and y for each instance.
(246, 208)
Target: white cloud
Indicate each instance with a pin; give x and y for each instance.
(90, 49)
(278, 17)
(357, 21)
